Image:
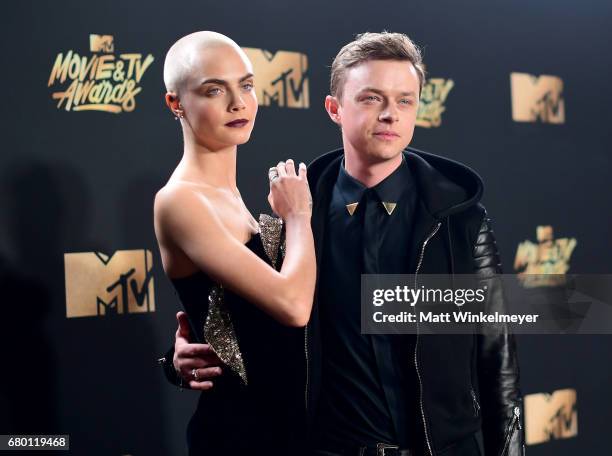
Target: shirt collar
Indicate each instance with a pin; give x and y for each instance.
(390, 189)
(351, 188)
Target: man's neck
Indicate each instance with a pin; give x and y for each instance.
(368, 173)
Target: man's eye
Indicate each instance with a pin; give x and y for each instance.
(248, 86)
(406, 101)
(214, 91)
(371, 98)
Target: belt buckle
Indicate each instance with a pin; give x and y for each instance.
(382, 447)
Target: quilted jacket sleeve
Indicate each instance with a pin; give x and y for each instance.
(498, 370)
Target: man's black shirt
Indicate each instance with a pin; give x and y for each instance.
(367, 398)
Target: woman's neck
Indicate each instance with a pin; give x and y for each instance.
(216, 168)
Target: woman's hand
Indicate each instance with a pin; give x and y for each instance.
(289, 193)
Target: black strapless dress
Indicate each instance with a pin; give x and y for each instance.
(257, 405)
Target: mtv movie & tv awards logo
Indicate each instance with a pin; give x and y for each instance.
(544, 264)
(101, 81)
(432, 103)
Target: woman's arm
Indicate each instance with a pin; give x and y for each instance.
(186, 220)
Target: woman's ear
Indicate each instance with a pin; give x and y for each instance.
(172, 101)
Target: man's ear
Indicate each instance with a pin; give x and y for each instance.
(173, 102)
(332, 106)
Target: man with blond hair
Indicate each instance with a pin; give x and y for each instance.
(381, 207)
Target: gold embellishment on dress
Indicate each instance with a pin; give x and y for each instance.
(219, 333)
(271, 229)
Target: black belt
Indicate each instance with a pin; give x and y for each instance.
(381, 449)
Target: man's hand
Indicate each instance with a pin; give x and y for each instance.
(188, 356)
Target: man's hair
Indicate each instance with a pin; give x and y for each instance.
(374, 46)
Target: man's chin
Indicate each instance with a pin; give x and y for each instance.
(384, 154)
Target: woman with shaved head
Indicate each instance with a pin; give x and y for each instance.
(247, 294)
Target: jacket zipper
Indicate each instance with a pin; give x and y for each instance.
(416, 346)
(515, 419)
(476, 404)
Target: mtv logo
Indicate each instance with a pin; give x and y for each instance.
(101, 43)
(282, 78)
(431, 104)
(549, 256)
(102, 285)
(537, 98)
(550, 416)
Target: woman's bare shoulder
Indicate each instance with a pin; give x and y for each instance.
(175, 192)
(180, 198)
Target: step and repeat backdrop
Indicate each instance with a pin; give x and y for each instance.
(518, 90)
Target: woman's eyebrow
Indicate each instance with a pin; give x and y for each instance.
(224, 82)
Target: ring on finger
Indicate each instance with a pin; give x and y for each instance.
(273, 174)
(194, 373)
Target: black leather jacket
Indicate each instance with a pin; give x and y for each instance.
(452, 235)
